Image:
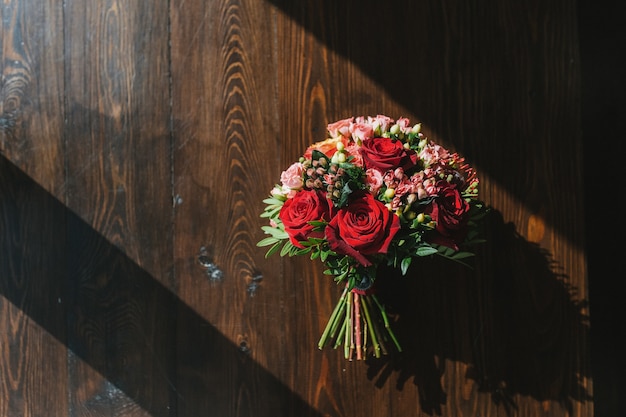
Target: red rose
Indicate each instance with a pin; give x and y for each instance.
(450, 212)
(297, 212)
(386, 154)
(363, 227)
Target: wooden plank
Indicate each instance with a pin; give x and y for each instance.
(226, 158)
(118, 184)
(32, 284)
(33, 309)
(318, 86)
(31, 100)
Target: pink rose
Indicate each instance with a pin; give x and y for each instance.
(404, 125)
(361, 131)
(292, 177)
(341, 127)
(383, 122)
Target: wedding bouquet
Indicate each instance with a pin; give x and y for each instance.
(377, 191)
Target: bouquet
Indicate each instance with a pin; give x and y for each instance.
(377, 191)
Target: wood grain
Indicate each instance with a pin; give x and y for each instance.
(33, 309)
(226, 152)
(32, 285)
(31, 99)
(139, 139)
(118, 168)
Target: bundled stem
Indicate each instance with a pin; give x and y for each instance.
(334, 319)
(357, 329)
(359, 322)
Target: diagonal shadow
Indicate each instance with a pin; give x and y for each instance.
(515, 323)
(478, 74)
(602, 38)
(119, 320)
(475, 68)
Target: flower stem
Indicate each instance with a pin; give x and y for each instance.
(353, 324)
(368, 319)
(339, 316)
(346, 345)
(387, 325)
(333, 318)
(342, 330)
(357, 322)
(357, 310)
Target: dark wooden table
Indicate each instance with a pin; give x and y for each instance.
(138, 140)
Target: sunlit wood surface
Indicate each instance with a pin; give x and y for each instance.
(138, 140)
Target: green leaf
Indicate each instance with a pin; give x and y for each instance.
(425, 251)
(286, 248)
(271, 212)
(308, 243)
(301, 251)
(445, 251)
(342, 276)
(404, 266)
(316, 241)
(267, 241)
(273, 201)
(273, 249)
(462, 255)
(293, 250)
(317, 154)
(275, 232)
